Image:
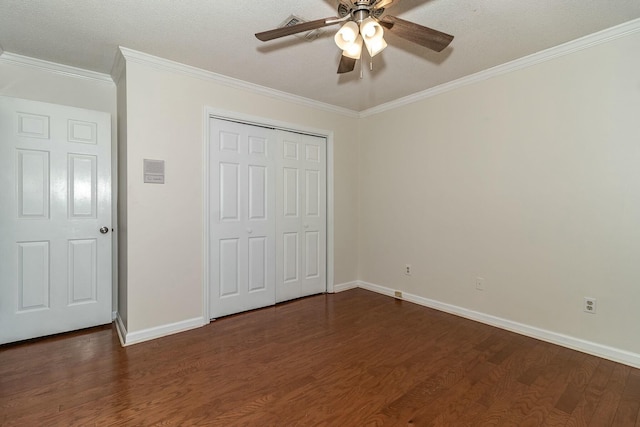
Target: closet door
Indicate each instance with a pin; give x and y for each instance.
(242, 220)
(301, 244)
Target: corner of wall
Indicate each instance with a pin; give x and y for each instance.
(358, 198)
(121, 276)
(118, 68)
(129, 338)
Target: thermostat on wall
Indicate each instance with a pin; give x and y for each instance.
(154, 171)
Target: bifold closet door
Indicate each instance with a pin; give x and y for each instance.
(242, 220)
(301, 243)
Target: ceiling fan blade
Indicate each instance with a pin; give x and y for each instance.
(424, 36)
(294, 29)
(346, 64)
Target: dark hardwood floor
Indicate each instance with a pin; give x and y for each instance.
(351, 359)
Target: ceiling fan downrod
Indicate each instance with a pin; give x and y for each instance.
(361, 11)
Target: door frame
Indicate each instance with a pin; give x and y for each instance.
(211, 112)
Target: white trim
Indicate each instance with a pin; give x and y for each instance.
(589, 347)
(114, 315)
(206, 130)
(67, 70)
(120, 329)
(568, 48)
(340, 287)
(376, 288)
(168, 65)
(129, 338)
(261, 121)
(330, 218)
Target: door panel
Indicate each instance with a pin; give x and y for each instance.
(258, 268)
(312, 252)
(33, 276)
(83, 280)
(257, 192)
(229, 264)
(242, 217)
(33, 184)
(229, 192)
(55, 193)
(290, 192)
(301, 222)
(290, 257)
(82, 186)
(313, 193)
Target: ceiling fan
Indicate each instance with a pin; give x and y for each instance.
(364, 23)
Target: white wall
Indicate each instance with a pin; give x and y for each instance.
(165, 111)
(22, 77)
(531, 180)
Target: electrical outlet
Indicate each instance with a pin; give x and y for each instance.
(589, 305)
(407, 269)
(397, 294)
(480, 283)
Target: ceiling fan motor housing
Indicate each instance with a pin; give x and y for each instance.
(359, 10)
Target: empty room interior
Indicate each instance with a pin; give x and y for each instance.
(203, 223)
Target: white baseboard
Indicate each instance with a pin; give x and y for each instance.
(377, 288)
(345, 286)
(128, 338)
(122, 331)
(589, 347)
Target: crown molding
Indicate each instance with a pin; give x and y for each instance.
(131, 55)
(66, 70)
(568, 48)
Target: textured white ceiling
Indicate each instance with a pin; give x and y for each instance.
(218, 36)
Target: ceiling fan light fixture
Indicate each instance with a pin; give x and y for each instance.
(375, 45)
(347, 35)
(370, 28)
(354, 50)
(373, 36)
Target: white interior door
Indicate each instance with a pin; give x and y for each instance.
(55, 195)
(301, 244)
(241, 217)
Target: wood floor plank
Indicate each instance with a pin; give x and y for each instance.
(534, 406)
(577, 384)
(512, 387)
(627, 412)
(350, 359)
(591, 396)
(608, 404)
(487, 377)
